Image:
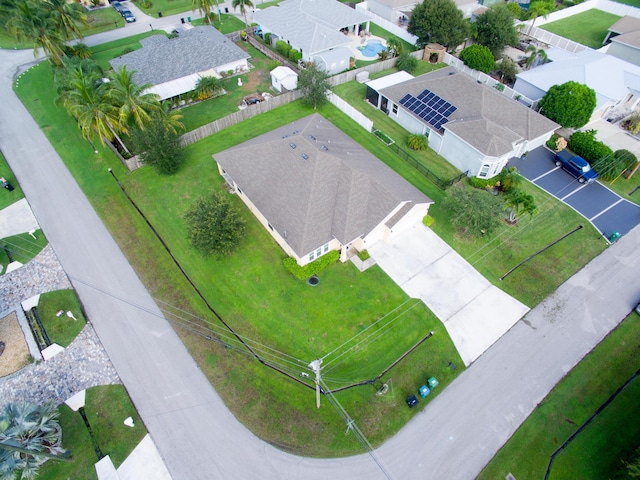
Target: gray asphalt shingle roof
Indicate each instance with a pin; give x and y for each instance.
(312, 25)
(162, 59)
(485, 119)
(339, 190)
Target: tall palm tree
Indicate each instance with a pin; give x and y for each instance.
(204, 7)
(92, 109)
(243, 4)
(538, 9)
(171, 118)
(130, 100)
(36, 23)
(68, 18)
(31, 435)
(394, 45)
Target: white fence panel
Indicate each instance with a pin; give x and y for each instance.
(363, 121)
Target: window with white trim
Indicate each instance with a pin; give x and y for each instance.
(484, 170)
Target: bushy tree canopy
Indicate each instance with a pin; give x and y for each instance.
(214, 226)
(478, 57)
(159, 146)
(496, 29)
(407, 62)
(314, 84)
(438, 21)
(570, 104)
(473, 209)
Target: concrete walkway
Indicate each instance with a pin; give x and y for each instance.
(474, 312)
(17, 218)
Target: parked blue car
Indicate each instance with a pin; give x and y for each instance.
(576, 166)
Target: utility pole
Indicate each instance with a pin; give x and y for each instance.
(315, 366)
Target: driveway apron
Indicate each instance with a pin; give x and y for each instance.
(474, 312)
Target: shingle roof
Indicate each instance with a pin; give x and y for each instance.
(632, 39)
(339, 190)
(310, 25)
(162, 59)
(626, 24)
(485, 119)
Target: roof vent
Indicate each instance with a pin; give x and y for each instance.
(305, 156)
(312, 138)
(292, 145)
(325, 148)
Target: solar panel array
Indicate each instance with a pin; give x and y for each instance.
(431, 108)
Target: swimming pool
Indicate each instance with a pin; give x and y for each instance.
(372, 48)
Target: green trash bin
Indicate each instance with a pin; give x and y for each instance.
(614, 236)
(432, 382)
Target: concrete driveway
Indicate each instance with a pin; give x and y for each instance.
(606, 210)
(474, 312)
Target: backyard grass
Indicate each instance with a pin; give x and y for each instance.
(106, 408)
(588, 28)
(253, 292)
(626, 188)
(168, 7)
(61, 329)
(22, 247)
(596, 452)
(226, 24)
(633, 3)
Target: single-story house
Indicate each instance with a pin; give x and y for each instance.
(396, 11)
(473, 126)
(284, 78)
(615, 81)
(623, 39)
(316, 190)
(174, 65)
(318, 29)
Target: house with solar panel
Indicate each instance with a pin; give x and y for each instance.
(473, 126)
(316, 190)
(321, 30)
(173, 66)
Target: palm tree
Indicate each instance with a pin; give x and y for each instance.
(171, 118)
(394, 45)
(243, 4)
(36, 23)
(29, 436)
(81, 50)
(75, 67)
(537, 9)
(207, 87)
(204, 7)
(132, 104)
(67, 17)
(537, 57)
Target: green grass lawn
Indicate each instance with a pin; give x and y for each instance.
(588, 28)
(596, 452)
(633, 3)
(108, 51)
(22, 247)
(61, 329)
(624, 187)
(254, 293)
(226, 23)
(7, 197)
(167, 7)
(102, 20)
(106, 408)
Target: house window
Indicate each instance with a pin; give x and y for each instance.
(484, 170)
(319, 252)
(312, 255)
(325, 249)
(394, 109)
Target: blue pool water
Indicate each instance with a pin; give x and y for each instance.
(372, 48)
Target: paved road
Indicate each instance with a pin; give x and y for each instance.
(605, 209)
(198, 438)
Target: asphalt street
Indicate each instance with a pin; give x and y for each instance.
(605, 209)
(197, 436)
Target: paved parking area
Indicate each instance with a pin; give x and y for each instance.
(605, 209)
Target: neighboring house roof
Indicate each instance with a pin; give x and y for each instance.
(310, 25)
(397, 4)
(339, 190)
(610, 77)
(485, 119)
(626, 24)
(163, 59)
(631, 39)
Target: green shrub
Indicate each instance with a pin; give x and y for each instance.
(586, 145)
(551, 143)
(126, 50)
(428, 220)
(364, 255)
(417, 142)
(383, 137)
(407, 62)
(283, 48)
(294, 55)
(483, 183)
(313, 268)
(478, 57)
(274, 64)
(499, 87)
(267, 38)
(610, 168)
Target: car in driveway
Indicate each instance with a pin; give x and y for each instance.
(128, 16)
(576, 166)
(118, 7)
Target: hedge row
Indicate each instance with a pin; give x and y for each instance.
(313, 268)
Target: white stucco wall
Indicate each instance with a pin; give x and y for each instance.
(466, 158)
(624, 52)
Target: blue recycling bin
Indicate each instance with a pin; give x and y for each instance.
(424, 391)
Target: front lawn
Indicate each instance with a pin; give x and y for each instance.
(106, 408)
(62, 329)
(102, 20)
(596, 452)
(7, 197)
(588, 28)
(22, 247)
(626, 188)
